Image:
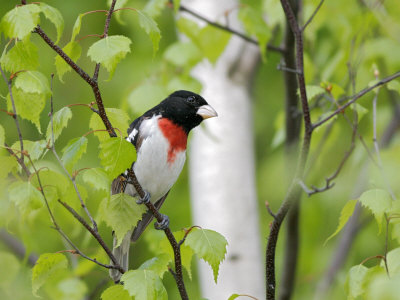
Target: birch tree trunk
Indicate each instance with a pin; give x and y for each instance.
(222, 178)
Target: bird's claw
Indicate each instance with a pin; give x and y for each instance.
(145, 199)
(163, 224)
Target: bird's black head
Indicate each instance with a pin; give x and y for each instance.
(186, 109)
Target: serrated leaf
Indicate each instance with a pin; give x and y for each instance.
(10, 266)
(20, 21)
(394, 85)
(145, 96)
(109, 51)
(345, 214)
(56, 185)
(116, 155)
(23, 56)
(355, 281)
(74, 51)
(117, 117)
(122, 214)
(254, 24)
(28, 105)
(34, 148)
(60, 121)
(144, 284)
(212, 42)
(209, 246)
(25, 196)
(77, 27)
(73, 151)
(115, 292)
(151, 28)
(55, 17)
(154, 7)
(378, 201)
(393, 261)
(97, 178)
(32, 82)
(46, 266)
(158, 264)
(183, 54)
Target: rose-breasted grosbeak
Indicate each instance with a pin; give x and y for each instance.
(160, 137)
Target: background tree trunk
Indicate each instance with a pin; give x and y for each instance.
(222, 177)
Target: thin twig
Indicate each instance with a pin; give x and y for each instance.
(313, 15)
(228, 29)
(15, 116)
(355, 97)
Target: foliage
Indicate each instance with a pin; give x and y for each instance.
(146, 61)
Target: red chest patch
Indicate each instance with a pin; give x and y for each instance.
(176, 137)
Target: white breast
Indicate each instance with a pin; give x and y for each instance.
(155, 174)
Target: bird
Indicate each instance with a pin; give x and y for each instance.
(160, 138)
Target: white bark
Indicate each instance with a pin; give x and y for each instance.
(221, 165)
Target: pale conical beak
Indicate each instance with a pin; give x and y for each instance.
(206, 111)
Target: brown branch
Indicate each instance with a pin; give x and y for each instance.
(83, 75)
(230, 30)
(355, 97)
(174, 244)
(312, 15)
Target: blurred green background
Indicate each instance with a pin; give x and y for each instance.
(365, 34)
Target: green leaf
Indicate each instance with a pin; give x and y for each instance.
(117, 117)
(23, 56)
(378, 201)
(73, 151)
(184, 82)
(189, 28)
(313, 91)
(346, 213)
(115, 292)
(177, 5)
(34, 148)
(116, 155)
(74, 51)
(46, 266)
(8, 164)
(122, 214)
(212, 42)
(233, 296)
(32, 82)
(394, 85)
(97, 178)
(28, 105)
(20, 21)
(55, 17)
(151, 28)
(335, 89)
(25, 196)
(154, 7)
(2, 135)
(355, 281)
(77, 27)
(146, 96)
(144, 284)
(393, 262)
(183, 54)
(10, 266)
(60, 121)
(109, 51)
(254, 24)
(209, 246)
(158, 264)
(73, 288)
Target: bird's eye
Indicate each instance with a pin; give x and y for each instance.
(191, 99)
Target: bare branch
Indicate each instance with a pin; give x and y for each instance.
(355, 97)
(17, 247)
(312, 15)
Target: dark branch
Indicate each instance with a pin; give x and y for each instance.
(356, 97)
(312, 15)
(17, 247)
(230, 30)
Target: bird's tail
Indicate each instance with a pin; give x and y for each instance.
(121, 254)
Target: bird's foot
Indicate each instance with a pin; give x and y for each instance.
(163, 224)
(145, 199)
